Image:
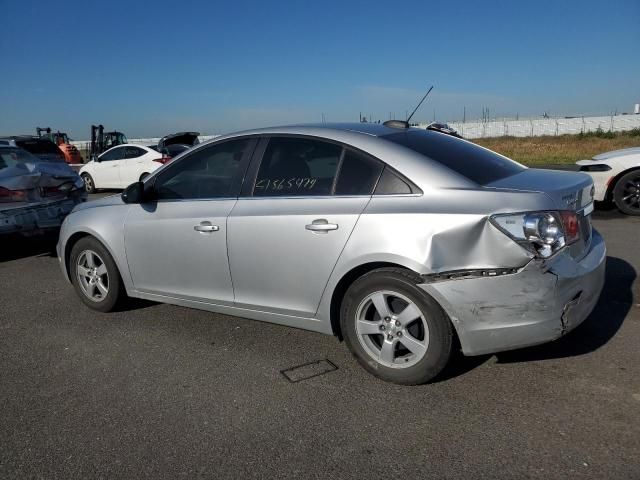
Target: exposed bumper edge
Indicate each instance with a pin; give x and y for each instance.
(534, 306)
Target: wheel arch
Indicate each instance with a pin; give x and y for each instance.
(614, 181)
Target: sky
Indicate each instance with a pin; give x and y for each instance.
(152, 68)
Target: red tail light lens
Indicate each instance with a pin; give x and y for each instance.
(7, 195)
(571, 226)
(163, 160)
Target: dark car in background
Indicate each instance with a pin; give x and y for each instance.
(36, 194)
(43, 148)
(176, 143)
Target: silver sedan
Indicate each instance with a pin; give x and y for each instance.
(403, 242)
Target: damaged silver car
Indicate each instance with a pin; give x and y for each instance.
(395, 239)
(35, 194)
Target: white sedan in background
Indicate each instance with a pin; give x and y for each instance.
(120, 166)
(616, 176)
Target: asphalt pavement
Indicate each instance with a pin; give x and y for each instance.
(159, 391)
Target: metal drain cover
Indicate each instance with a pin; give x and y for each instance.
(308, 370)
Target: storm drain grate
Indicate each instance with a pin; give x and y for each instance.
(308, 370)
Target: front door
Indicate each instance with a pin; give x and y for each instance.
(107, 170)
(177, 245)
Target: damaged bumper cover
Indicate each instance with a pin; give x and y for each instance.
(36, 217)
(504, 309)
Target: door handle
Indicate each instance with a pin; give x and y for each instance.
(321, 225)
(206, 227)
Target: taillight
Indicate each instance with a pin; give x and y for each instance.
(543, 233)
(7, 195)
(163, 160)
(571, 226)
(56, 190)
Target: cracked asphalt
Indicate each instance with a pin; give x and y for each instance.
(159, 391)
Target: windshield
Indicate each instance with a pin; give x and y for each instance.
(478, 164)
(10, 157)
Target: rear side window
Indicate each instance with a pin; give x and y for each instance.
(471, 161)
(358, 174)
(297, 167)
(392, 184)
(134, 152)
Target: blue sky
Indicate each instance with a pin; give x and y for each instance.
(150, 68)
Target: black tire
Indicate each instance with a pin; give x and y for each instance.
(115, 288)
(626, 193)
(440, 330)
(89, 184)
(143, 176)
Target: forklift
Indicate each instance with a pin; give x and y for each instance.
(62, 141)
(102, 141)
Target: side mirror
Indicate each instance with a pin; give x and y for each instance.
(134, 193)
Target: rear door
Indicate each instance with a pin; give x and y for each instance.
(131, 168)
(286, 234)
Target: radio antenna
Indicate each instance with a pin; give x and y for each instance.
(415, 109)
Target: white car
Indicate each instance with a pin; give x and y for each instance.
(120, 166)
(616, 176)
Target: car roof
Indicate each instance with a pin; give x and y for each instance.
(369, 137)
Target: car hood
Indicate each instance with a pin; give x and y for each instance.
(568, 190)
(182, 138)
(618, 153)
(100, 202)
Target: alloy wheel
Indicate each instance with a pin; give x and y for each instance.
(392, 329)
(631, 193)
(92, 274)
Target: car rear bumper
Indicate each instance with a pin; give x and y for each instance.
(538, 304)
(37, 217)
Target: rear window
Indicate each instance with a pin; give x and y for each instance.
(10, 157)
(39, 147)
(471, 161)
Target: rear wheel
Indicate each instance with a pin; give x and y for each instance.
(143, 176)
(626, 193)
(89, 185)
(395, 330)
(95, 276)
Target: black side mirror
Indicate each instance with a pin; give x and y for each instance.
(134, 193)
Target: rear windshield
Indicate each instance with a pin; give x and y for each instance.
(39, 147)
(471, 161)
(10, 157)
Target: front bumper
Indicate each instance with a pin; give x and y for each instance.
(37, 217)
(539, 303)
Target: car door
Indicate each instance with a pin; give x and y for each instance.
(286, 235)
(106, 172)
(132, 167)
(176, 245)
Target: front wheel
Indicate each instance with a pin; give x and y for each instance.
(395, 330)
(95, 275)
(89, 186)
(626, 193)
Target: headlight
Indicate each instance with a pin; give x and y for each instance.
(542, 233)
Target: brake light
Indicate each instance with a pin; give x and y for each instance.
(7, 195)
(163, 160)
(571, 226)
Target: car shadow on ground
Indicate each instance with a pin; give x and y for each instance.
(604, 322)
(15, 247)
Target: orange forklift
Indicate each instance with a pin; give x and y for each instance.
(70, 152)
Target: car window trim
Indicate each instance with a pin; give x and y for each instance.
(256, 161)
(237, 184)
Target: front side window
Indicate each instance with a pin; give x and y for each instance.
(210, 172)
(114, 154)
(297, 167)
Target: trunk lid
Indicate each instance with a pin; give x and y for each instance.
(568, 190)
(180, 138)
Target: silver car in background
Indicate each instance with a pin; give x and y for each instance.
(395, 239)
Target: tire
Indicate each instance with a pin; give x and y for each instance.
(99, 287)
(392, 353)
(143, 176)
(89, 184)
(626, 193)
